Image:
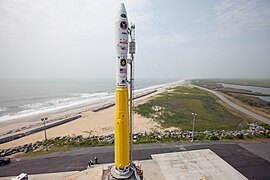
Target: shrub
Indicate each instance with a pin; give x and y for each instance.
(249, 136)
(240, 136)
(214, 138)
(266, 126)
(228, 137)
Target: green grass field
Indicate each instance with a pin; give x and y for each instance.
(176, 106)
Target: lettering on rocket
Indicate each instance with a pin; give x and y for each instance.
(123, 70)
(123, 41)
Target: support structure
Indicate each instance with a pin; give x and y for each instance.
(132, 49)
(193, 125)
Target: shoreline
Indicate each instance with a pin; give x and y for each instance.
(15, 136)
(94, 123)
(25, 123)
(20, 135)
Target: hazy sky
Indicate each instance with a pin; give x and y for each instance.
(175, 38)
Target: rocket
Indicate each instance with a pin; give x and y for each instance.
(123, 168)
(121, 115)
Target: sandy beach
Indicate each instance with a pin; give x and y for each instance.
(94, 123)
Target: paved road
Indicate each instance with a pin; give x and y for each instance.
(243, 110)
(260, 149)
(247, 163)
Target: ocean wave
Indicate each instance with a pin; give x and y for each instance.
(73, 101)
(52, 105)
(3, 109)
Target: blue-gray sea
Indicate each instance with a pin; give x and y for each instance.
(22, 98)
(262, 90)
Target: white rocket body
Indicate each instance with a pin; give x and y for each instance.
(121, 41)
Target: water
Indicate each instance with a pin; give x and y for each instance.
(27, 98)
(253, 89)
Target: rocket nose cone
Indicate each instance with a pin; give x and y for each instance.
(121, 14)
(122, 8)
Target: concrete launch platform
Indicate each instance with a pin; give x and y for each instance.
(197, 164)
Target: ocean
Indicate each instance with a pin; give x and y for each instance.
(24, 98)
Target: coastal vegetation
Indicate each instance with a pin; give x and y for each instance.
(174, 108)
(254, 133)
(244, 82)
(171, 109)
(246, 97)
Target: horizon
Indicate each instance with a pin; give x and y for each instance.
(225, 39)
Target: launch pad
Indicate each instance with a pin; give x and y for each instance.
(134, 173)
(187, 165)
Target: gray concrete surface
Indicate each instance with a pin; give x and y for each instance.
(260, 149)
(93, 173)
(151, 170)
(198, 164)
(247, 163)
(52, 176)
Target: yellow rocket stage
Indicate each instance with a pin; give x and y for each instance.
(121, 116)
(121, 128)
